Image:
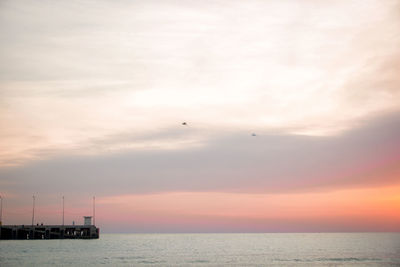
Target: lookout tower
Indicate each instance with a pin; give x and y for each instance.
(87, 220)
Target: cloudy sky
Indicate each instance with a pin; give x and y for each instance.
(93, 95)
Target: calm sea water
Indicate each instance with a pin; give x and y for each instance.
(332, 249)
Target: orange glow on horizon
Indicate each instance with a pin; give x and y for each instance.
(371, 207)
(357, 209)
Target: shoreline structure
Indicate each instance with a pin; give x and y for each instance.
(26, 232)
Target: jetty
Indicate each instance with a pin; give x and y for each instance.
(85, 231)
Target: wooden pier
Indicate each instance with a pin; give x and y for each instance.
(49, 232)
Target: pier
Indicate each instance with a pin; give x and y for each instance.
(49, 232)
(23, 232)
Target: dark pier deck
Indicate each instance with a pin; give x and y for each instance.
(49, 232)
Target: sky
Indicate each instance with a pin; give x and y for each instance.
(292, 112)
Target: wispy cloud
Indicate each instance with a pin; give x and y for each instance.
(71, 73)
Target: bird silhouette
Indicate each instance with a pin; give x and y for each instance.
(184, 123)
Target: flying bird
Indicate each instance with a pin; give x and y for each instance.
(184, 123)
(253, 134)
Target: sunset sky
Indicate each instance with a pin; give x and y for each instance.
(93, 95)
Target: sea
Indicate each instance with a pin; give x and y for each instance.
(269, 249)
